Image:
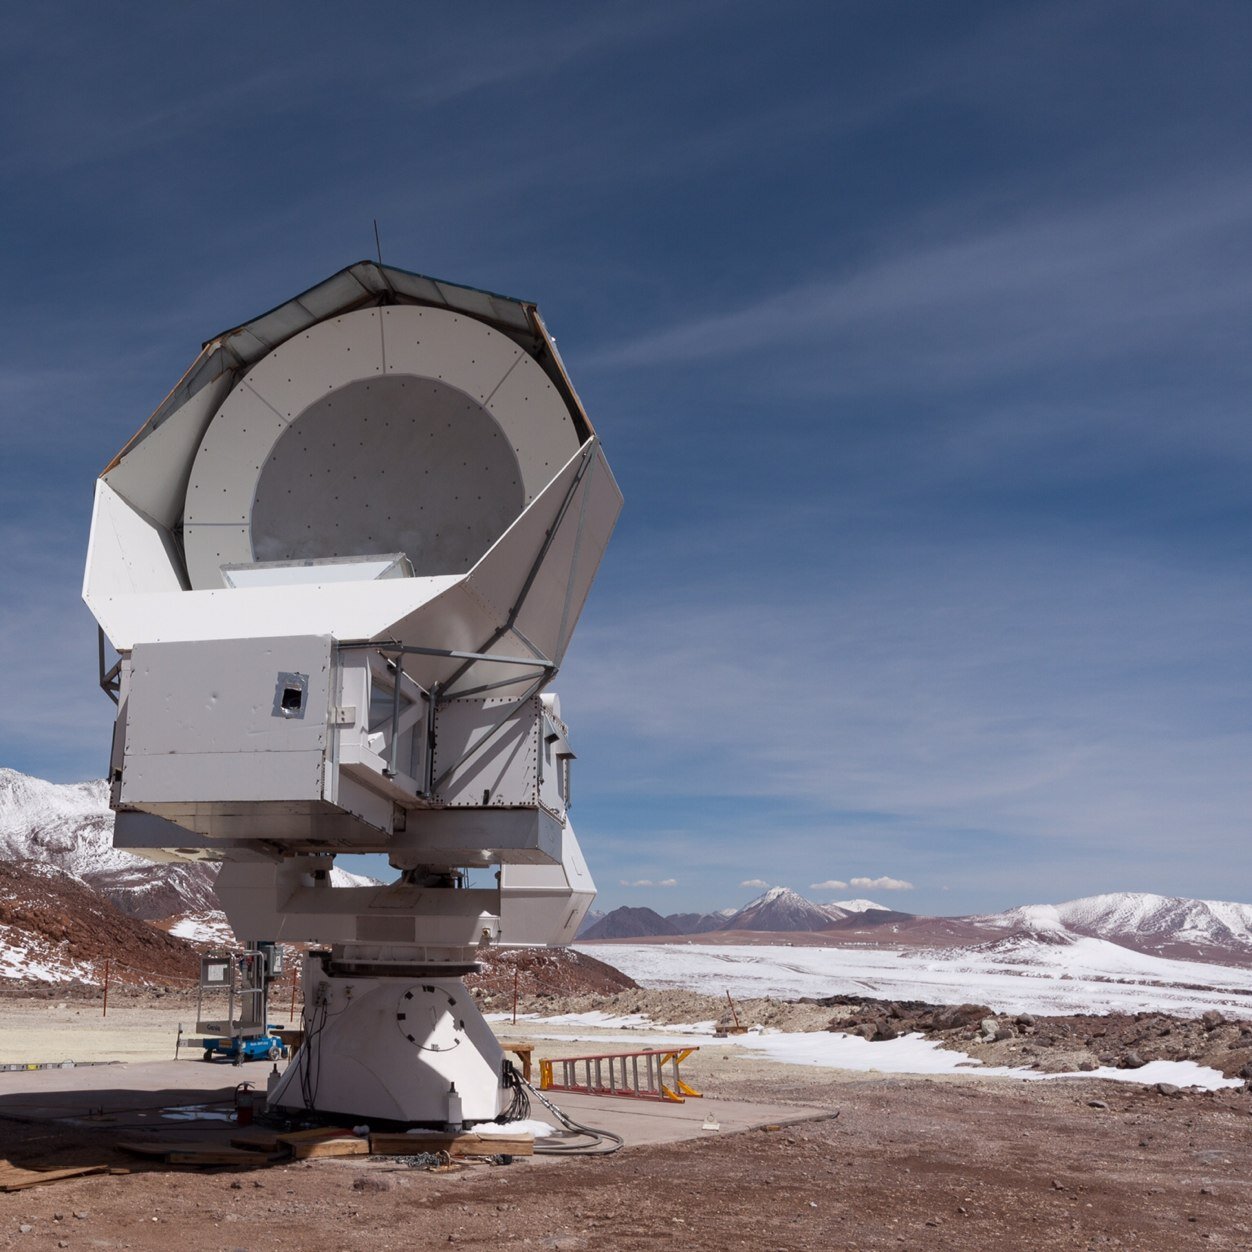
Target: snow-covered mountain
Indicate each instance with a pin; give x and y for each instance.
(1137, 919)
(847, 907)
(780, 908)
(66, 825)
(70, 826)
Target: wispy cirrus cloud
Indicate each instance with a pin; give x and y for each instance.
(1131, 272)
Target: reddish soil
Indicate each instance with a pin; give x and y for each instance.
(66, 920)
(543, 974)
(908, 1163)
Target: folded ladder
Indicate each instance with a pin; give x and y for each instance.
(639, 1075)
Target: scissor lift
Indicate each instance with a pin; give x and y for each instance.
(239, 981)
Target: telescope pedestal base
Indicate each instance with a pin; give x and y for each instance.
(393, 1049)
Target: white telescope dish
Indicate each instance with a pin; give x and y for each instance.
(340, 566)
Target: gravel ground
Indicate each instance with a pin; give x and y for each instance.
(908, 1163)
(953, 1162)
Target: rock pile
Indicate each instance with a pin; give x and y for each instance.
(1078, 1041)
(544, 974)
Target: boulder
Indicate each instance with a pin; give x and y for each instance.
(956, 1016)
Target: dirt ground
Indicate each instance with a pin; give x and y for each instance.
(70, 1025)
(942, 1163)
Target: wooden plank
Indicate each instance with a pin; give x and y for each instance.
(217, 1156)
(192, 1152)
(345, 1145)
(313, 1135)
(14, 1178)
(257, 1138)
(156, 1147)
(465, 1144)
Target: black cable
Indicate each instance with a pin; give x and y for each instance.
(573, 1131)
(519, 1104)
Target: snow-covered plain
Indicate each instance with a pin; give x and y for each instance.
(907, 1054)
(1020, 975)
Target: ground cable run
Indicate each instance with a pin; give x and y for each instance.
(603, 1142)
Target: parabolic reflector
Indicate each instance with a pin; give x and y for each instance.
(341, 564)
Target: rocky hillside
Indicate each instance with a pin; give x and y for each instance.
(544, 972)
(70, 826)
(54, 928)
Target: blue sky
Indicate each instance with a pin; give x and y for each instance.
(917, 335)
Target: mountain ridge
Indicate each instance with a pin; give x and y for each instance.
(70, 826)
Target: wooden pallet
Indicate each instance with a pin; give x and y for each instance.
(455, 1145)
(17, 1178)
(202, 1152)
(254, 1145)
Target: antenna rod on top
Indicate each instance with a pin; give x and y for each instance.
(377, 244)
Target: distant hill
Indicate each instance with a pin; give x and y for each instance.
(592, 917)
(871, 919)
(628, 923)
(698, 923)
(780, 909)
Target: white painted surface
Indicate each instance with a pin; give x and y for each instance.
(127, 552)
(344, 610)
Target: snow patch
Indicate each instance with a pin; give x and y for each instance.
(907, 1054)
(526, 1126)
(204, 928)
(1024, 976)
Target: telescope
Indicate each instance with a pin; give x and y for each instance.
(340, 566)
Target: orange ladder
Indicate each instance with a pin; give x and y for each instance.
(638, 1075)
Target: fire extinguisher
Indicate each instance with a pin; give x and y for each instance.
(244, 1100)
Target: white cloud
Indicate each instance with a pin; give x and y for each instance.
(916, 721)
(1060, 285)
(648, 882)
(882, 884)
(755, 882)
(831, 884)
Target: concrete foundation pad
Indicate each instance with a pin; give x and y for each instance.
(184, 1094)
(642, 1122)
(128, 1093)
